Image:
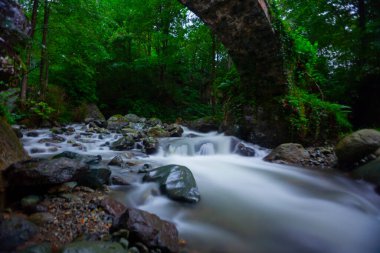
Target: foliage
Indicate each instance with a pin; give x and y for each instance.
(39, 110)
(312, 118)
(8, 99)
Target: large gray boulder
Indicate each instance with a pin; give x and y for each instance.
(289, 153)
(356, 146)
(148, 229)
(44, 173)
(176, 181)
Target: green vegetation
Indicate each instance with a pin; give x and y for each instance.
(155, 58)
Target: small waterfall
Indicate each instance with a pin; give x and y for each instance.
(207, 149)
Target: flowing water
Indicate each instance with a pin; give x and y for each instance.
(248, 205)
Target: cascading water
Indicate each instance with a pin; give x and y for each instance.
(248, 205)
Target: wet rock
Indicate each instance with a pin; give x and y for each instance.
(150, 145)
(174, 130)
(135, 134)
(15, 231)
(243, 150)
(113, 207)
(124, 143)
(88, 159)
(369, 172)
(32, 134)
(289, 153)
(93, 247)
(37, 150)
(57, 130)
(117, 161)
(116, 180)
(63, 188)
(154, 122)
(54, 139)
(176, 181)
(133, 118)
(157, 132)
(148, 229)
(356, 146)
(44, 173)
(94, 115)
(117, 122)
(95, 177)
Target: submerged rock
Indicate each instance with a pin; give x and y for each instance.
(289, 153)
(176, 181)
(148, 229)
(356, 146)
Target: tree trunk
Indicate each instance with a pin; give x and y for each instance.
(44, 67)
(24, 84)
(362, 26)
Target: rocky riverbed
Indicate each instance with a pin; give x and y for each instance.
(59, 200)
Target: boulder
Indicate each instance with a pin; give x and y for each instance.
(157, 132)
(117, 122)
(174, 130)
(116, 161)
(11, 150)
(243, 150)
(133, 118)
(93, 247)
(44, 172)
(88, 159)
(95, 177)
(150, 145)
(356, 146)
(113, 207)
(176, 181)
(148, 229)
(15, 231)
(124, 143)
(154, 122)
(93, 114)
(369, 172)
(289, 153)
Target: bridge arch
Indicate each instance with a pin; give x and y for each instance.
(245, 28)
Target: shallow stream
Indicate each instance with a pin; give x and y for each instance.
(247, 205)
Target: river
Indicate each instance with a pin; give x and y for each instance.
(247, 204)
